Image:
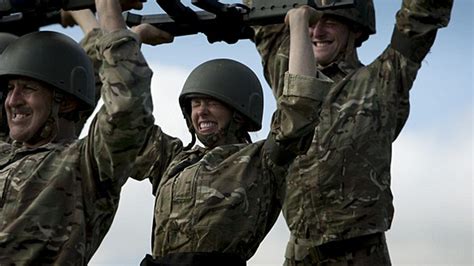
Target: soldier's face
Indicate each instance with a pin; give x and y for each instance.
(329, 37)
(209, 115)
(28, 106)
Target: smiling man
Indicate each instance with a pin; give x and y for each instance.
(26, 113)
(59, 194)
(330, 39)
(338, 201)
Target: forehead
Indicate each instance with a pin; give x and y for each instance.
(18, 80)
(41, 89)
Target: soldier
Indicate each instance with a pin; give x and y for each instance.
(91, 30)
(338, 200)
(238, 184)
(59, 194)
(5, 40)
(215, 204)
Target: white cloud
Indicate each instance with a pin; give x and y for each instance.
(432, 186)
(272, 250)
(167, 83)
(129, 238)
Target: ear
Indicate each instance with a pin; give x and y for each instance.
(69, 104)
(358, 34)
(239, 119)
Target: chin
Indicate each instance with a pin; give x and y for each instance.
(18, 136)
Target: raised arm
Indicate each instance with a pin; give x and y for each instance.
(87, 21)
(91, 29)
(110, 15)
(301, 59)
(302, 93)
(417, 24)
(273, 44)
(119, 130)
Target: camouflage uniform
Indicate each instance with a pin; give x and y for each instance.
(58, 200)
(225, 200)
(341, 189)
(88, 43)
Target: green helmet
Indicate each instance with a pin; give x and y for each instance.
(362, 15)
(55, 59)
(230, 82)
(6, 39)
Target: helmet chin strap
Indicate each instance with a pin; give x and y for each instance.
(50, 128)
(350, 53)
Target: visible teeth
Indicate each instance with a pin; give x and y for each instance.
(321, 44)
(206, 125)
(19, 116)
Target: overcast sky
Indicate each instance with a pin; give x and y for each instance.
(432, 158)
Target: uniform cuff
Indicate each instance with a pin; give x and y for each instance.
(109, 46)
(305, 86)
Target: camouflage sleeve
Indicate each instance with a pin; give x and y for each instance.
(296, 117)
(273, 45)
(417, 24)
(88, 43)
(119, 130)
(155, 157)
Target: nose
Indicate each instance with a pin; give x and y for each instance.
(316, 30)
(14, 97)
(203, 108)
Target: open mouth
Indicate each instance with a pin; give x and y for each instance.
(321, 43)
(20, 117)
(207, 126)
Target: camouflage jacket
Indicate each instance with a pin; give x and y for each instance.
(88, 43)
(58, 200)
(4, 137)
(227, 198)
(341, 188)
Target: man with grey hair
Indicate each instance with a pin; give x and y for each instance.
(59, 194)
